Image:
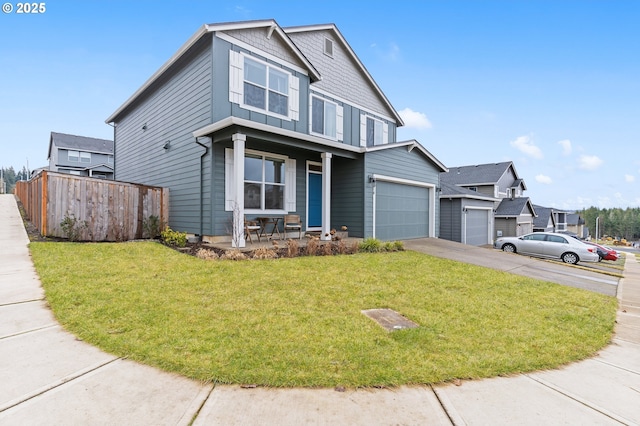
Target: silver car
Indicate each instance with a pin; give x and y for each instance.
(549, 245)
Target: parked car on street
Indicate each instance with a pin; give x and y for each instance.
(605, 253)
(549, 245)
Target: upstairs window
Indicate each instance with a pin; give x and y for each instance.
(373, 132)
(74, 156)
(326, 118)
(85, 157)
(263, 87)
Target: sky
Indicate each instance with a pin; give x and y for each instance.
(553, 86)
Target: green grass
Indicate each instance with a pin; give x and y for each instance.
(298, 322)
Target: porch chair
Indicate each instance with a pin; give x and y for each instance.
(292, 221)
(251, 226)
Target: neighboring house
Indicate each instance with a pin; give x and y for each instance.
(575, 225)
(514, 217)
(466, 216)
(512, 213)
(81, 156)
(250, 119)
(545, 220)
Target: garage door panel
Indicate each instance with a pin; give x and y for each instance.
(477, 227)
(402, 211)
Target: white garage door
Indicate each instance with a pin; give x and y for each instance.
(402, 211)
(477, 227)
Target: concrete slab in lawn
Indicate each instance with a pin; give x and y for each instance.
(233, 405)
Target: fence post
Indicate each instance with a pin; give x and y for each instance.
(43, 203)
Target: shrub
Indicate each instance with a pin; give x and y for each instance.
(264, 253)
(205, 254)
(234, 254)
(370, 245)
(327, 249)
(151, 227)
(312, 247)
(173, 238)
(72, 227)
(292, 248)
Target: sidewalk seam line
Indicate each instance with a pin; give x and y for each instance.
(30, 330)
(582, 401)
(54, 385)
(448, 407)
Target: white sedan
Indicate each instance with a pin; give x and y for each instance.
(550, 245)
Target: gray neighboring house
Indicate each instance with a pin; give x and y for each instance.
(466, 216)
(81, 156)
(545, 221)
(250, 119)
(511, 214)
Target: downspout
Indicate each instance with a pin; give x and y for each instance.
(206, 151)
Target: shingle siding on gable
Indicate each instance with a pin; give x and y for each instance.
(340, 75)
(257, 37)
(171, 112)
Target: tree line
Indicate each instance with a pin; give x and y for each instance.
(10, 177)
(615, 222)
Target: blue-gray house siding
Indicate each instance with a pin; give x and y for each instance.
(167, 113)
(179, 129)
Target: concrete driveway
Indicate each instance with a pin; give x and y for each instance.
(574, 276)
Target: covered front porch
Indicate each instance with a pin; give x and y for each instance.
(268, 176)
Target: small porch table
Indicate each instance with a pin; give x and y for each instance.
(274, 221)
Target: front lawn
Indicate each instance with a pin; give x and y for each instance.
(298, 322)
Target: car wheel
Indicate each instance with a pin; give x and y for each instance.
(509, 248)
(571, 258)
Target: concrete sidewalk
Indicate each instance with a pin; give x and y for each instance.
(49, 377)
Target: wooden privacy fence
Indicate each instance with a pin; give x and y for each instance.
(103, 210)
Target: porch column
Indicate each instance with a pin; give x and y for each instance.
(237, 238)
(326, 196)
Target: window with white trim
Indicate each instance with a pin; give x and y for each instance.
(326, 118)
(260, 86)
(373, 131)
(85, 157)
(269, 182)
(74, 156)
(263, 182)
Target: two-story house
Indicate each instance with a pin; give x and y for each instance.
(481, 202)
(250, 119)
(81, 156)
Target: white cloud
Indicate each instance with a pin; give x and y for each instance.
(414, 119)
(566, 146)
(525, 145)
(589, 162)
(544, 179)
(629, 178)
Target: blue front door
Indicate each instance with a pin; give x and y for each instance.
(314, 208)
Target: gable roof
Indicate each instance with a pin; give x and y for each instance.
(481, 174)
(454, 191)
(332, 28)
(575, 219)
(512, 207)
(271, 25)
(80, 143)
(544, 213)
(410, 145)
